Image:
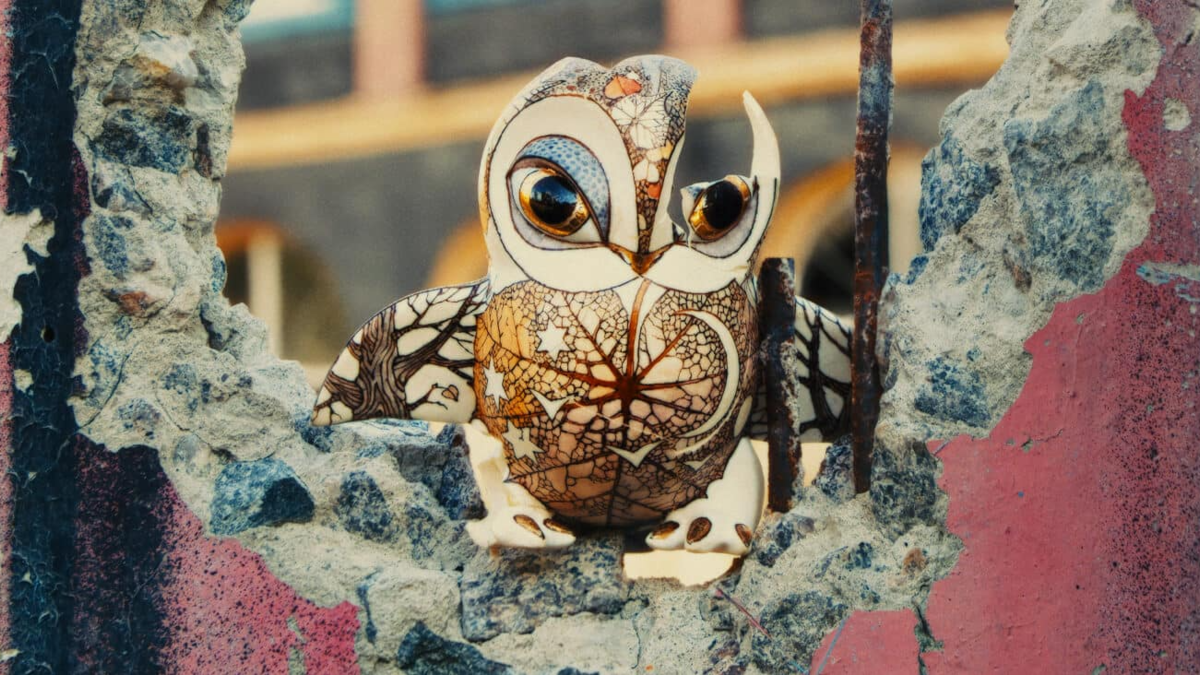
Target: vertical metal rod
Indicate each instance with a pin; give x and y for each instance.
(870, 226)
(777, 328)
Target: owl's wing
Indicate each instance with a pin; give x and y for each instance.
(413, 360)
(821, 393)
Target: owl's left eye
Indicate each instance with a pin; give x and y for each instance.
(552, 203)
(719, 207)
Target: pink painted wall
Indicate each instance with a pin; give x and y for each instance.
(1080, 513)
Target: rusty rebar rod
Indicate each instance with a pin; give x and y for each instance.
(870, 226)
(777, 326)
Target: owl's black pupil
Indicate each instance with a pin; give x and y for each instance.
(553, 200)
(722, 205)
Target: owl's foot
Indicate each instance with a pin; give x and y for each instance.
(514, 517)
(724, 520)
(523, 526)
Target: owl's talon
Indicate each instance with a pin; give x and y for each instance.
(664, 530)
(529, 524)
(722, 521)
(698, 530)
(744, 533)
(518, 527)
(557, 526)
(514, 517)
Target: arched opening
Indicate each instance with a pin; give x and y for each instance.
(814, 225)
(288, 287)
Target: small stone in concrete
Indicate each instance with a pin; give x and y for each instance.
(1068, 207)
(443, 465)
(859, 557)
(422, 652)
(904, 492)
(363, 509)
(254, 494)
(113, 188)
(953, 185)
(517, 590)
(835, 479)
(796, 623)
(778, 534)
(108, 239)
(953, 393)
(160, 139)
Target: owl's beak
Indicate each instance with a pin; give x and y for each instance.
(640, 262)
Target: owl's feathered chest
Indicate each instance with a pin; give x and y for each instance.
(615, 406)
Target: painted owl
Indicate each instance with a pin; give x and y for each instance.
(606, 368)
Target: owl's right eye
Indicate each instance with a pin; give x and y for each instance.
(552, 203)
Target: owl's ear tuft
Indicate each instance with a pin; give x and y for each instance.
(765, 167)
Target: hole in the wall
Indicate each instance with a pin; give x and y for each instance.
(47, 334)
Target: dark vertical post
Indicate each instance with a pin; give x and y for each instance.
(777, 326)
(870, 225)
(43, 175)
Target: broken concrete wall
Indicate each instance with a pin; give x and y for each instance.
(1034, 496)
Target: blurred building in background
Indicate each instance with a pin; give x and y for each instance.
(352, 177)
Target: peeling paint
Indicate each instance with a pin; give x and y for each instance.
(1077, 511)
(17, 231)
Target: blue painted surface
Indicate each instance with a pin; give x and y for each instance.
(952, 187)
(334, 16)
(451, 6)
(1067, 207)
(953, 392)
(42, 169)
(256, 494)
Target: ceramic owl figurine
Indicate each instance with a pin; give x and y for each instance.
(606, 368)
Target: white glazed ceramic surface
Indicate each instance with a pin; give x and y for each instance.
(606, 369)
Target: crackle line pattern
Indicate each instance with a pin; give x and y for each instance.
(647, 98)
(820, 375)
(600, 436)
(411, 360)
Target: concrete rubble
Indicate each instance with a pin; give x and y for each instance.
(1030, 199)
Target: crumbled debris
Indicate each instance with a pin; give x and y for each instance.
(514, 591)
(362, 508)
(422, 652)
(255, 494)
(835, 479)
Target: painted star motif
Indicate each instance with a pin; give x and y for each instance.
(550, 340)
(635, 458)
(518, 440)
(493, 383)
(551, 407)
